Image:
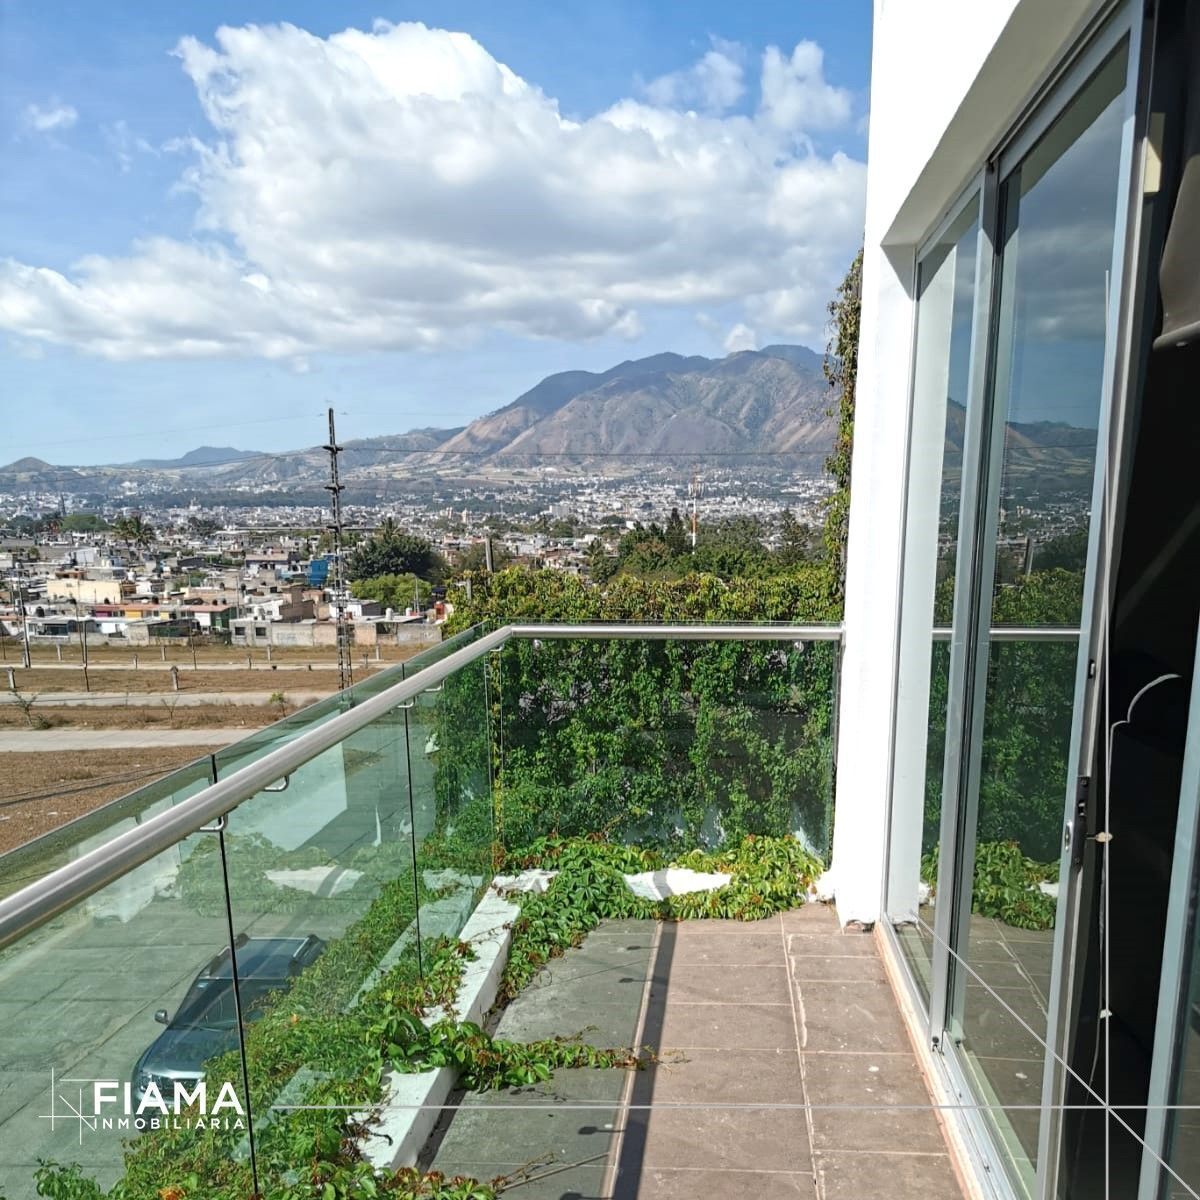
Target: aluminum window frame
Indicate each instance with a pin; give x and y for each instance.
(970, 633)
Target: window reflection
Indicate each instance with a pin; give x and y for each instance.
(1057, 218)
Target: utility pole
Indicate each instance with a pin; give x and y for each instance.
(338, 588)
(83, 648)
(26, 659)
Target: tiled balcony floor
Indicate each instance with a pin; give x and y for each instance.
(785, 1071)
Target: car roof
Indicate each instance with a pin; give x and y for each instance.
(261, 957)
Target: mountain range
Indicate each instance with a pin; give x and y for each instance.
(750, 403)
(753, 409)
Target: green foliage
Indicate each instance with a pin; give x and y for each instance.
(675, 744)
(474, 558)
(394, 591)
(731, 548)
(671, 743)
(83, 523)
(1027, 723)
(1005, 885)
(841, 370)
(392, 551)
(804, 594)
(203, 526)
(795, 540)
(134, 530)
(322, 1180)
(768, 875)
(675, 535)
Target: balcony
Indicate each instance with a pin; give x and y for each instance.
(438, 925)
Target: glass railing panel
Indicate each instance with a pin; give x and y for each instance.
(27, 863)
(378, 682)
(129, 987)
(668, 743)
(323, 897)
(68, 842)
(451, 757)
(262, 741)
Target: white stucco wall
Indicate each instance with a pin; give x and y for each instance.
(948, 79)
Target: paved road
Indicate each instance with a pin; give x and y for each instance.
(156, 699)
(58, 740)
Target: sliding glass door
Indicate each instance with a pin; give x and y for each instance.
(1057, 212)
(1013, 370)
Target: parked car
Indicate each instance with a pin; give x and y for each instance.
(205, 1023)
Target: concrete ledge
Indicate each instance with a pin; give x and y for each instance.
(401, 1123)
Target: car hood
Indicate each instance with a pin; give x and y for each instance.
(185, 1051)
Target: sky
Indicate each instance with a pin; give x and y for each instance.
(218, 219)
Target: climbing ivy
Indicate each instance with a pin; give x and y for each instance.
(1005, 884)
(841, 371)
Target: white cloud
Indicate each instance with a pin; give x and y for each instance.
(795, 95)
(740, 337)
(50, 119)
(399, 188)
(713, 84)
(125, 144)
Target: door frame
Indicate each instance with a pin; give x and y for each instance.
(971, 633)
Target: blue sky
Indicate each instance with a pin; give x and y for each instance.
(341, 238)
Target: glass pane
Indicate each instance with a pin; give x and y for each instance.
(1183, 1144)
(669, 743)
(451, 755)
(1058, 212)
(324, 899)
(100, 995)
(68, 842)
(262, 741)
(946, 298)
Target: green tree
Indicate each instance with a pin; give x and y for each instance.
(203, 526)
(841, 370)
(393, 551)
(474, 558)
(794, 540)
(394, 591)
(84, 523)
(601, 565)
(676, 536)
(135, 531)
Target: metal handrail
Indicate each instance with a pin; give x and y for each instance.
(58, 890)
(1017, 633)
(769, 632)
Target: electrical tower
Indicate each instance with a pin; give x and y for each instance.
(338, 590)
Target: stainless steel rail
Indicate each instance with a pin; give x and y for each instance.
(40, 901)
(1017, 633)
(779, 632)
(58, 890)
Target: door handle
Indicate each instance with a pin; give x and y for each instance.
(1075, 832)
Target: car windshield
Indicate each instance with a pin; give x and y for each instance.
(210, 1004)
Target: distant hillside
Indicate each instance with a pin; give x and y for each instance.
(751, 403)
(202, 456)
